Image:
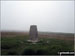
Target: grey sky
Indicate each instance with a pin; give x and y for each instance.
(51, 16)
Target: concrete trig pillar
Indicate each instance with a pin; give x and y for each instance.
(33, 33)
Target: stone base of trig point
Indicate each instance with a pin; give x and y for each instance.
(33, 33)
(33, 41)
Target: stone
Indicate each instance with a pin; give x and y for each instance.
(33, 33)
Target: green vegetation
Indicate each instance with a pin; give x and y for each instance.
(46, 46)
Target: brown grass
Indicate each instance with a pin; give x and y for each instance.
(64, 36)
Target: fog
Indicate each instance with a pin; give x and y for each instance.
(49, 16)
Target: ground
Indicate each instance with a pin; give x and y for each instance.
(18, 45)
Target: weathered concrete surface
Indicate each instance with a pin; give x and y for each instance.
(33, 33)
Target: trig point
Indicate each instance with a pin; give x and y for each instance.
(33, 33)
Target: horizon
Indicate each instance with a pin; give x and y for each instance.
(38, 32)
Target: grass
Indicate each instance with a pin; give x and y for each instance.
(46, 46)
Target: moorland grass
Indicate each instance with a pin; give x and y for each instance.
(46, 46)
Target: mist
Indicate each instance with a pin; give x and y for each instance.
(49, 16)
